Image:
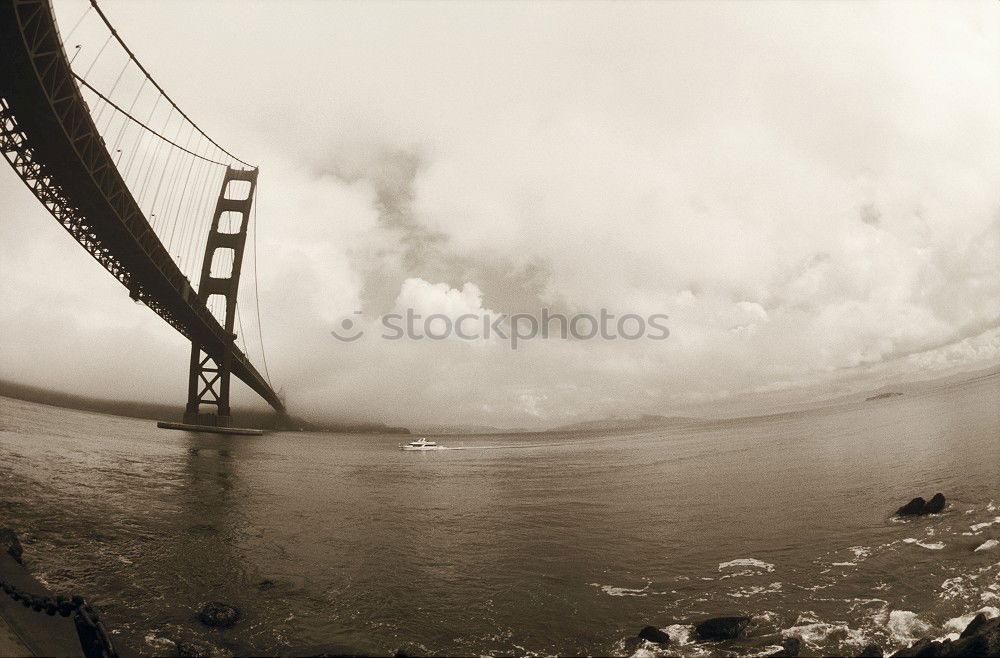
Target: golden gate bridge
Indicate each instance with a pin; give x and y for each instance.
(141, 186)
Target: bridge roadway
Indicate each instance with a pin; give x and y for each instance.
(49, 136)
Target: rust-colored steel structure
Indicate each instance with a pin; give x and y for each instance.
(50, 139)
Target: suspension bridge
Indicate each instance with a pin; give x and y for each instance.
(139, 185)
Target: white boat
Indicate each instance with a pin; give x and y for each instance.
(421, 444)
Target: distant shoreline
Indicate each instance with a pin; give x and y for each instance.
(639, 422)
(157, 411)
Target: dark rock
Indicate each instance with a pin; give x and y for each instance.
(935, 504)
(985, 638)
(410, 651)
(11, 544)
(790, 648)
(871, 651)
(926, 648)
(723, 628)
(266, 584)
(977, 622)
(912, 508)
(219, 615)
(980, 638)
(654, 634)
(918, 506)
(979, 645)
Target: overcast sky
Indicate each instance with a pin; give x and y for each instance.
(810, 191)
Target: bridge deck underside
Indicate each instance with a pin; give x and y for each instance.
(48, 135)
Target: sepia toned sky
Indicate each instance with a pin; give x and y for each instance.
(811, 192)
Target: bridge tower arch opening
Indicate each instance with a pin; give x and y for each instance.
(209, 376)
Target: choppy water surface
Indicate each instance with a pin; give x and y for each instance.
(344, 543)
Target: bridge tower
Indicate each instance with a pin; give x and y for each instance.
(208, 381)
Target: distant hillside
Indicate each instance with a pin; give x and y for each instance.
(882, 396)
(467, 429)
(644, 422)
(156, 411)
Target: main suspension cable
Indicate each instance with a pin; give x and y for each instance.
(132, 56)
(256, 293)
(144, 126)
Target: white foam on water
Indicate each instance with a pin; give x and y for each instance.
(680, 634)
(844, 564)
(650, 650)
(767, 616)
(816, 632)
(987, 545)
(954, 626)
(747, 592)
(161, 644)
(976, 527)
(952, 587)
(766, 651)
(612, 590)
(753, 563)
(860, 552)
(932, 546)
(905, 627)
(817, 587)
(645, 651)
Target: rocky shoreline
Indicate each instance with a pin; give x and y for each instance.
(24, 631)
(981, 636)
(27, 629)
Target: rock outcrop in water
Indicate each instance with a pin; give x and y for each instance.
(918, 506)
(935, 504)
(912, 508)
(980, 638)
(219, 615)
(655, 635)
(10, 544)
(723, 628)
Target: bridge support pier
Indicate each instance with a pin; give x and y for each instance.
(208, 382)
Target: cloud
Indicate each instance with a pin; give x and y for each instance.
(438, 299)
(808, 191)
